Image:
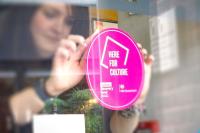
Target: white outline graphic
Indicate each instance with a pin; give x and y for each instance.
(117, 43)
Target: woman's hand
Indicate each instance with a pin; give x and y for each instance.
(67, 71)
(119, 124)
(67, 68)
(148, 61)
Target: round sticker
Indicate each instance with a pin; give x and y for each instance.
(115, 70)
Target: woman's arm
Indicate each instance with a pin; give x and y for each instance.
(67, 71)
(121, 124)
(24, 105)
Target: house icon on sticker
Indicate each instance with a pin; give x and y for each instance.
(113, 41)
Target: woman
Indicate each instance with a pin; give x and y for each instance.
(44, 32)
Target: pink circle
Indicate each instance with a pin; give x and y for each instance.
(114, 69)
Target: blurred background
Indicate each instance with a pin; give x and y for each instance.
(169, 29)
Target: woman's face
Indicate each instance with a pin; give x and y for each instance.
(49, 25)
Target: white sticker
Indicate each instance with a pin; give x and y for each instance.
(57, 123)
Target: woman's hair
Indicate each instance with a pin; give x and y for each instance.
(16, 42)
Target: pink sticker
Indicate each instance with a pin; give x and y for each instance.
(115, 70)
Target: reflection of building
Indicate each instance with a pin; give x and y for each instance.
(174, 93)
(163, 35)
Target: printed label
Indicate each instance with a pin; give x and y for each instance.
(115, 69)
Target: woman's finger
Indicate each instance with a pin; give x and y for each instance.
(82, 47)
(139, 46)
(68, 44)
(149, 59)
(144, 52)
(91, 37)
(62, 55)
(76, 56)
(79, 40)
